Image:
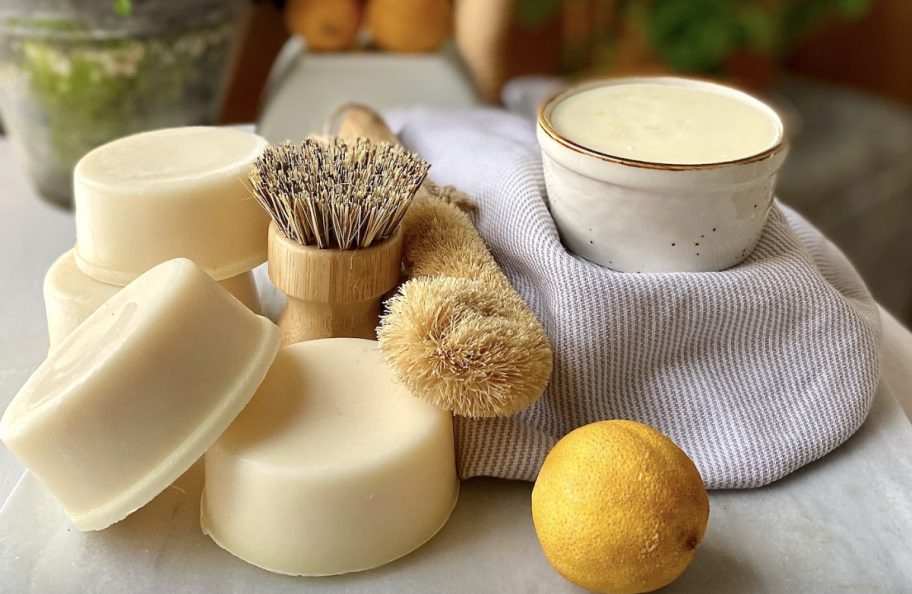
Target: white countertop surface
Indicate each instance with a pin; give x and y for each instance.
(842, 523)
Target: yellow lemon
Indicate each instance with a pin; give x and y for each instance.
(326, 25)
(409, 25)
(619, 508)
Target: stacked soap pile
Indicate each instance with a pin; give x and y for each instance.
(332, 466)
(151, 197)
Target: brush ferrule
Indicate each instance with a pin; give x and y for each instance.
(332, 292)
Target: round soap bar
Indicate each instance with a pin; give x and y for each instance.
(137, 393)
(173, 193)
(70, 295)
(333, 467)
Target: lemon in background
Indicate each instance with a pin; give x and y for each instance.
(409, 25)
(619, 508)
(326, 25)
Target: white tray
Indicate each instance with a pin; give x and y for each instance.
(304, 87)
(842, 523)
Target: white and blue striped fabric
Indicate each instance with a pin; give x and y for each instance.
(753, 371)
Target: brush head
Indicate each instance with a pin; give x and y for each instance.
(460, 345)
(336, 194)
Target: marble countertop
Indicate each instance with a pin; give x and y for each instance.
(841, 523)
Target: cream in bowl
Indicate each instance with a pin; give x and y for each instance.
(660, 174)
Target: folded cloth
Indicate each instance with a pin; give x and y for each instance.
(753, 371)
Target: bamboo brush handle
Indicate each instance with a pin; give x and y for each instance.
(331, 292)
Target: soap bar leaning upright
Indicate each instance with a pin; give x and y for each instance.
(136, 394)
(332, 468)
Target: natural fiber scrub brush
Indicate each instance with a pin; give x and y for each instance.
(457, 334)
(335, 243)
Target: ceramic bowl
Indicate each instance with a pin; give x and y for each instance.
(637, 216)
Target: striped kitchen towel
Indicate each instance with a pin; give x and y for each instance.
(754, 371)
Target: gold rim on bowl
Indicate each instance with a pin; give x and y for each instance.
(548, 129)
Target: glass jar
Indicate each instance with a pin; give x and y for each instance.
(75, 74)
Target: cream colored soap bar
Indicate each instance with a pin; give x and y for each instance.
(173, 193)
(70, 295)
(137, 393)
(333, 467)
(667, 121)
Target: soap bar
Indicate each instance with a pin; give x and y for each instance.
(136, 393)
(173, 193)
(333, 467)
(70, 295)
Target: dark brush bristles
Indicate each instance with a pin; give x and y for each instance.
(337, 194)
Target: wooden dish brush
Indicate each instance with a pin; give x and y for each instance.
(457, 334)
(335, 244)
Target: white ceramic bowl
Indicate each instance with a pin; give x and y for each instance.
(637, 216)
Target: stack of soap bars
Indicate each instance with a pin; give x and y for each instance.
(151, 197)
(333, 466)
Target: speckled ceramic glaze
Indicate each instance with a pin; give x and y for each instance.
(636, 216)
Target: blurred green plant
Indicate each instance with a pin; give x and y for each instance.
(123, 7)
(535, 12)
(65, 90)
(700, 35)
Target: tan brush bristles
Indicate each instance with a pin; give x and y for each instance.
(336, 194)
(335, 243)
(457, 334)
